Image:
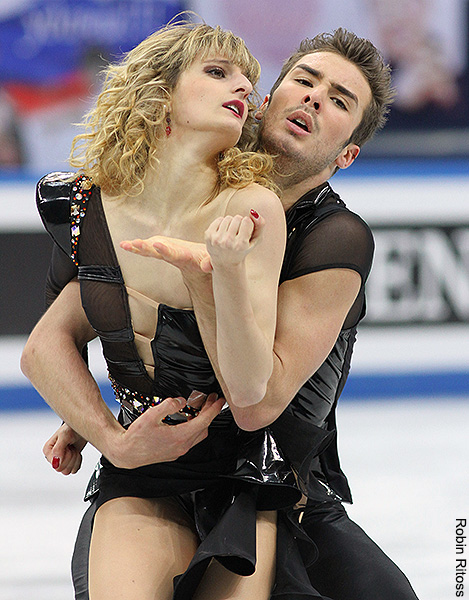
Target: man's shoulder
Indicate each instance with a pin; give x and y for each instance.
(334, 207)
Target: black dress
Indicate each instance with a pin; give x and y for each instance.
(223, 480)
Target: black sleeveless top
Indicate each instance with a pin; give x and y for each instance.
(84, 249)
(181, 363)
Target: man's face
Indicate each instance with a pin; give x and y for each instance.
(313, 113)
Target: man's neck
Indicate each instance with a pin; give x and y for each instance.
(292, 193)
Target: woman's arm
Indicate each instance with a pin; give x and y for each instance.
(245, 281)
(238, 321)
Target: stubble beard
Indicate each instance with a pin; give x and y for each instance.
(292, 166)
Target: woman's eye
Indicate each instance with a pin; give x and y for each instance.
(216, 71)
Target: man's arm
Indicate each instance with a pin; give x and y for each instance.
(53, 363)
(311, 312)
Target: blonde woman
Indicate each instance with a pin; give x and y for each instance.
(158, 158)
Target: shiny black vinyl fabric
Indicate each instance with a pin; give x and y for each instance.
(322, 233)
(180, 366)
(235, 473)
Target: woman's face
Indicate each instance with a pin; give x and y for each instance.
(210, 98)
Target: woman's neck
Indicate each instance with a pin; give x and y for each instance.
(179, 180)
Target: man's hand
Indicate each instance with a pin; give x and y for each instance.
(228, 236)
(63, 450)
(149, 440)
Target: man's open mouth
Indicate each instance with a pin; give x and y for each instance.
(301, 120)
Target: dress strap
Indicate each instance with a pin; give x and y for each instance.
(230, 195)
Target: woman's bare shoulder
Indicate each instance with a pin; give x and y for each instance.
(254, 197)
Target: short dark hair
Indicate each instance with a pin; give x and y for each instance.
(362, 53)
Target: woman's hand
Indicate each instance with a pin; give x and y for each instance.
(189, 257)
(230, 239)
(63, 450)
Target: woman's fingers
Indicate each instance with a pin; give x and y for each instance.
(225, 229)
(258, 221)
(141, 247)
(63, 450)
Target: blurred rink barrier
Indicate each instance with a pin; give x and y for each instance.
(414, 340)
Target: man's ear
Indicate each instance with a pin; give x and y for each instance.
(347, 156)
(261, 110)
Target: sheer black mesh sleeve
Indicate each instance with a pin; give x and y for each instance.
(340, 240)
(61, 271)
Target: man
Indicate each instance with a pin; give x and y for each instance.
(330, 98)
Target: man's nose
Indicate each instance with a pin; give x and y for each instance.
(313, 98)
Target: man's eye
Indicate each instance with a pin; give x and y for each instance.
(340, 103)
(304, 81)
(216, 71)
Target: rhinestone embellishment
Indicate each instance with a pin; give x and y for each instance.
(81, 191)
(135, 401)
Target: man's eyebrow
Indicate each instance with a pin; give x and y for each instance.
(339, 87)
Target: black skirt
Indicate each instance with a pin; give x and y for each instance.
(221, 483)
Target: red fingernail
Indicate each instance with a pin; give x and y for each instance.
(55, 462)
(254, 213)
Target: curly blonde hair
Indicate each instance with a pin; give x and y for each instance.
(123, 129)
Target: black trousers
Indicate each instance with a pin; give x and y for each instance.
(350, 565)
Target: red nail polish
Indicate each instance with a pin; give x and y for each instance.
(55, 462)
(254, 213)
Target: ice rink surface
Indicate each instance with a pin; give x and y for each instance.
(407, 462)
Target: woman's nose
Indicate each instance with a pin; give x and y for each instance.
(244, 86)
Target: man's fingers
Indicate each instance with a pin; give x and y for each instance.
(167, 407)
(163, 249)
(196, 399)
(210, 409)
(134, 246)
(206, 265)
(140, 247)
